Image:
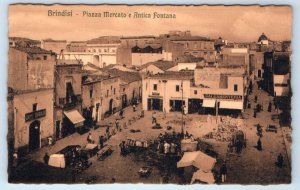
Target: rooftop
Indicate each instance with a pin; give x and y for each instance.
(163, 65)
(51, 40)
(175, 75)
(33, 50)
(125, 75)
(189, 59)
(191, 38)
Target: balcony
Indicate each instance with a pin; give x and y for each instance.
(71, 103)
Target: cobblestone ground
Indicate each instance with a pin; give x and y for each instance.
(251, 166)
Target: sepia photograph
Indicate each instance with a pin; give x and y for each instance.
(151, 94)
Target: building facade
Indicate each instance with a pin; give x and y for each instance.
(169, 91)
(68, 99)
(276, 77)
(33, 125)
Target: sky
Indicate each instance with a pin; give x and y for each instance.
(235, 23)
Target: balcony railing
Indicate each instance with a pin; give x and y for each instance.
(72, 103)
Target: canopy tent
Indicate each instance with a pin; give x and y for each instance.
(231, 105)
(75, 117)
(205, 177)
(208, 103)
(198, 159)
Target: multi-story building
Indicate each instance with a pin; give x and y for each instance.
(76, 46)
(218, 89)
(277, 73)
(68, 117)
(30, 123)
(54, 45)
(30, 98)
(168, 91)
(197, 46)
(100, 96)
(130, 88)
(30, 68)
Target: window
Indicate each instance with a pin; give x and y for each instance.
(123, 89)
(91, 93)
(146, 86)
(195, 92)
(114, 90)
(235, 87)
(177, 88)
(154, 86)
(45, 57)
(34, 107)
(107, 92)
(111, 87)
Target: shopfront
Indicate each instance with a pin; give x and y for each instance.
(73, 121)
(223, 104)
(33, 119)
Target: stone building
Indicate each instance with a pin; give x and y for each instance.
(277, 73)
(30, 68)
(100, 96)
(68, 99)
(130, 88)
(31, 123)
(54, 45)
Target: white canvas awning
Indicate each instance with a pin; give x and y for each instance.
(74, 116)
(208, 103)
(205, 177)
(238, 105)
(198, 159)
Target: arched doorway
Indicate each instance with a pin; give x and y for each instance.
(34, 135)
(110, 106)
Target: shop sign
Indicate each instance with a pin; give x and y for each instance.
(35, 115)
(155, 93)
(224, 97)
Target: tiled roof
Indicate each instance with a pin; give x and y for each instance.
(125, 75)
(51, 40)
(163, 65)
(33, 50)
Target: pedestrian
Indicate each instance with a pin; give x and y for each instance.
(255, 99)
(121, 113)
(101, 141)
(117, 124)
(259, 145)
(279, 160)
(166, 147)
(133, 107)
(173, 148)
(107, 133)
(46, 158)
(89, 138)
(270, 107)
(223, 172)
(15, 159)
(254, 114)
(154, 117)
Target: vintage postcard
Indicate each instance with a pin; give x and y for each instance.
(149, 94)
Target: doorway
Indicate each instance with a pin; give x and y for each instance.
(34, 135)
(111, 106)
